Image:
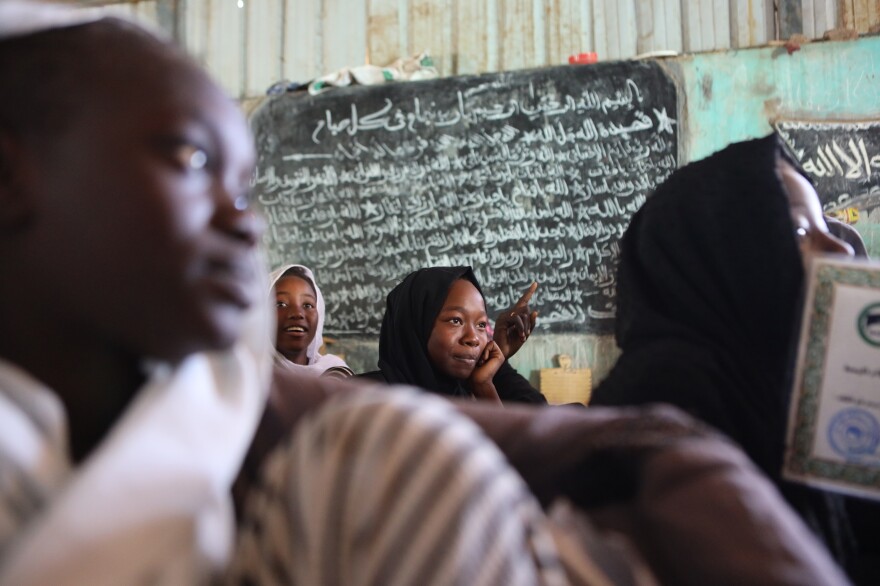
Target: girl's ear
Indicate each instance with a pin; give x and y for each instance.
(16, 207)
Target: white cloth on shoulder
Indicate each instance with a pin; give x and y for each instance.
(152, 503)
(318, 363)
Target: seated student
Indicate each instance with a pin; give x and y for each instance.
(709, 282)
(435, 335)
(127, 258)
(135, 353)
(300, 308)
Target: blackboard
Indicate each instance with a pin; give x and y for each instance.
(842, 159)
(527, 175)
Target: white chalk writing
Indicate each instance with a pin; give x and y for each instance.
(538, 184)
(842, 158)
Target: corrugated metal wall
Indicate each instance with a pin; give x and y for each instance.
(251, 44)
(144, 11)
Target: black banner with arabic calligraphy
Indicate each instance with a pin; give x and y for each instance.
(527, 175)
(841, 158)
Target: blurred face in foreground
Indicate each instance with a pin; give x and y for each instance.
(137, 201)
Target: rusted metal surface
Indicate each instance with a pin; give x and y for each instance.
(143, 10)
(790, 17)
(859, 15)
(659, 26)
(386, 31)
(223, 46)
(706, 25)
(169, 18)
(477, 29)
(264, 39)
(304, 36)
(250, 44)
(344, 34)
(431, 25)
(752, 22)
(819, 16)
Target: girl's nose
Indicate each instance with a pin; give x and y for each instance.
(233, 216)
(243, 225)
(823, 241)
(470, 336)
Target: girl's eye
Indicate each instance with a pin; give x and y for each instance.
(482, 325)
(456, 321)
(308, 306)
(196, 158)
(280, 304)
(186, 155)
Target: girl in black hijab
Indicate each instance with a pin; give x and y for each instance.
(411, 315)
(709, 287)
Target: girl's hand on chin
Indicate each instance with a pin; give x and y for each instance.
(480, 381)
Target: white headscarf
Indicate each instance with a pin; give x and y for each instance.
(152, 503)
(318, 363)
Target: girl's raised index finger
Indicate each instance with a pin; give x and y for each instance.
(527, 296)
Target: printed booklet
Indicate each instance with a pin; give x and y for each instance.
(833, 438)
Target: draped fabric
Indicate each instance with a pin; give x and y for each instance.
(401, 488)
(318, 363)
(152, 503)
(410, 311)
(392, 489)
(709, 289)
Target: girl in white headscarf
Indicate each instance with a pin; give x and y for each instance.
(300, 308)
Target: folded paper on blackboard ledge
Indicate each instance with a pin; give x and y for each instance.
(415, 68)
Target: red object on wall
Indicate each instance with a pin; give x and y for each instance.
(582, 58)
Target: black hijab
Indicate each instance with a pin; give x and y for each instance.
(709, 294)
(410, 311)
(708, 287)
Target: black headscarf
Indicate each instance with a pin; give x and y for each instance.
(410, 311)
(709, 289)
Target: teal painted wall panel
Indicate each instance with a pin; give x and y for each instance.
(734, 95)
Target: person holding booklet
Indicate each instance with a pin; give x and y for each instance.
(709, 286)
